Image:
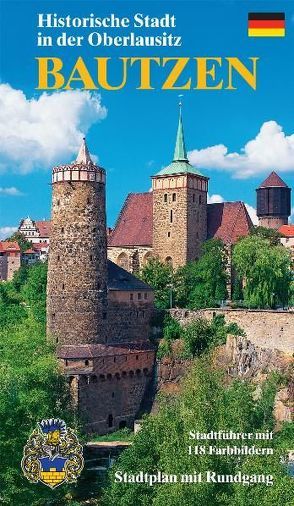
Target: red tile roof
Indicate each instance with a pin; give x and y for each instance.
(134, 224)
(287, 230)
(7, 246)
(38, 246)
(29, 252)
(228, 221)
(44, 228)
(273, 180)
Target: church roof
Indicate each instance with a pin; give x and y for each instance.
(180, 163)
(227, 221)
(134, 224)
(120, 279)
(273, 180)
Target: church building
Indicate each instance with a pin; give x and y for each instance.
(173, 220)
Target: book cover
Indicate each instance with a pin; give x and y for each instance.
(146, 253)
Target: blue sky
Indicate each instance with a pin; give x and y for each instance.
(135, 139)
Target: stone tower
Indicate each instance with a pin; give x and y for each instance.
(179, 208)
(77, 270)
(273, 202)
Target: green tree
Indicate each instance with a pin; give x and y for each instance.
(23, 243)
(265, 269)
(33, 291)
(203, 283)
(160, 276)
(272, 235)
(206, 403)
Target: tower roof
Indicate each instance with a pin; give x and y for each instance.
(84, 154)
(180, 154)
(180, 163)
(273, 180)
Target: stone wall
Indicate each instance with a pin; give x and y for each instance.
(110, 392)
(131, 258)
(128, 322)
(77, 270)
(265, 328)
(13, 264)
(179, 218)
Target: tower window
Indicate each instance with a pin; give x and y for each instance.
(174, 197)
(63, 286)
(86, 362)
(193, 197)
(88, 201)
(91, 257)
(171, 216)
(58, 202)
(200, 200)
(165, 197)
(58, 257)
(168, 234)
(112, 395)
(62, 230)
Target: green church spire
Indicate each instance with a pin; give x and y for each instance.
(180, 154)
(180, 163)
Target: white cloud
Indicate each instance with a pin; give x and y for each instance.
(39, 132)
(252, 213)
(271, 149)
(215, 199)
(12, 191)
(6, 232)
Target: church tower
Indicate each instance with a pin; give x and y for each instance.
(77, 269)
(273, 202)
(179, 207)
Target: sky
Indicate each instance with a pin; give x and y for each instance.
(234, 137)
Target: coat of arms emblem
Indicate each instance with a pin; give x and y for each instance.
(52, 454)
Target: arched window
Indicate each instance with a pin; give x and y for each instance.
(123, 261)
(171, 216)
(169, 261)
(147, 257)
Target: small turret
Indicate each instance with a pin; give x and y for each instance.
(273, 202)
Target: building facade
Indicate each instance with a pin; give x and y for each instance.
(98, 313)
(37, 232)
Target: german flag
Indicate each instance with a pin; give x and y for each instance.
(266, 24)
